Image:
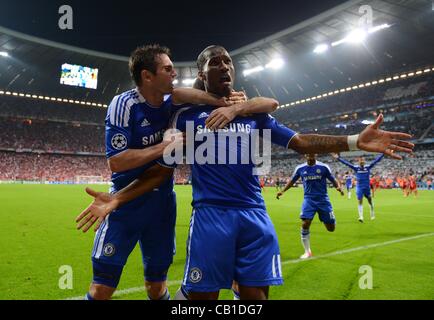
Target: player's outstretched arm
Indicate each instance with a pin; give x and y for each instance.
(104, 203)
(338, 186)
(289, 185)
(195, 96)
(371, 139)
(376, 160)
(220, 117)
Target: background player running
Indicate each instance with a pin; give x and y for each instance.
(362, 182)
(314, 175)
(348, 183)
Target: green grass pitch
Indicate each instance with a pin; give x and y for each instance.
(38, 236)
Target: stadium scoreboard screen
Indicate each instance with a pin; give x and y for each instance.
(76, 75)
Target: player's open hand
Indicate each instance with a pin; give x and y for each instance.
(101, 206)
(220, 117)
(375, 140)
(237, 97)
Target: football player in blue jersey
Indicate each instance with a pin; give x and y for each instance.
(314, 175)
(135, 124)
(363, 189)
(348, 183)
(231, 236)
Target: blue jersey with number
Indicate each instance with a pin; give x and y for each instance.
(314, 178)
(223, 173)
(132, 123)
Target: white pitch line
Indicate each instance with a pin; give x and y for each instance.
(336, 253)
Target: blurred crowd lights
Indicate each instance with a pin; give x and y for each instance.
(54, 99)
(360, 86)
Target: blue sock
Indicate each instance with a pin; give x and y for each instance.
(236, 294)
(165, 296)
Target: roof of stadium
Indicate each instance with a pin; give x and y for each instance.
(399, 39)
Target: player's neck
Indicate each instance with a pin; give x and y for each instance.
(153, 98)
(311, 163)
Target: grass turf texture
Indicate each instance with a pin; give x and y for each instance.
(38, 236)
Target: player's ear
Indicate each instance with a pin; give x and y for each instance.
(146, 75)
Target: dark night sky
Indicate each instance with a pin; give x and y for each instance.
(184, 26)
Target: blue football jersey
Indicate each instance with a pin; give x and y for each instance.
(314, 178)
(362, 173)
(132, 123)
(227, 179)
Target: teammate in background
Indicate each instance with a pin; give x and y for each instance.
(412, 185)
(247, 251)
(135, 123)
(314, 175)
(362, 176)
(405, 186)
(348, 183)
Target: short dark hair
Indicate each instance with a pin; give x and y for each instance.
(144, 58)
(201, 59)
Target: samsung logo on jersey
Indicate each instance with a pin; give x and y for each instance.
(232, 127)
(312, 178)
(153, 138)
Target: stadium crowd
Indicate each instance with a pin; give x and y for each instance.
(36, 133)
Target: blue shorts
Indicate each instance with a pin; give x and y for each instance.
(149, 220)
(363, 191)
(321, 205)
(349, 186)
(226, 244)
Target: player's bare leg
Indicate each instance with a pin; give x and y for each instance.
(360, 208)
(100, 292)
(371, 205)
(203, 295)
(253, 293)
(157, 290)
(305, 238)
(330, 227)
(236, 290)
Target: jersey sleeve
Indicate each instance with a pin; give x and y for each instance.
(345, 162)
(378, 159)
(295, 176)
(329, 174)
(280, 134)
(118, 129)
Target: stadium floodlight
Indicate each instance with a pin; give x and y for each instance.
(427, 70)
(411, 74)
(175, 81)
(368, 122)
(418, 72)
(188, 82)
(2, 92)
(275, 64)
(378, 28)
(355, 87)
(252, 70)
(14, 93)
(321, 48)
(357, 36)
(21, 94)
(374, 83)
(388, 79)
(395, 78)
(4, 54)
(403, 76)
